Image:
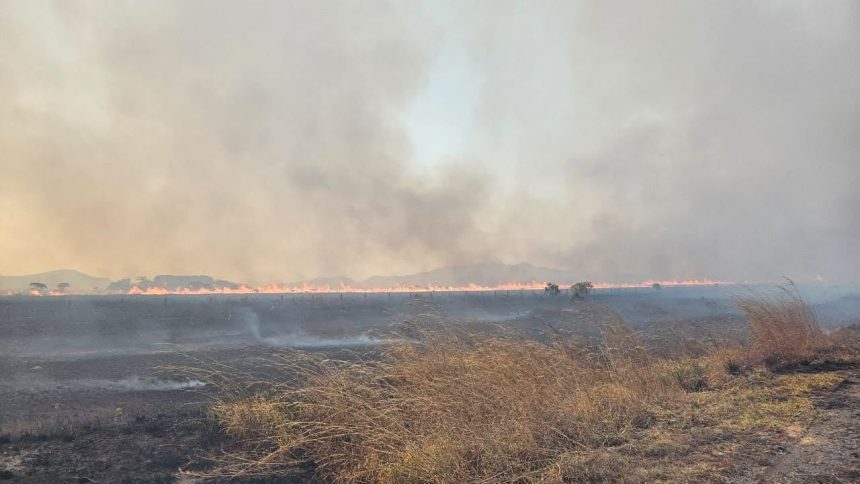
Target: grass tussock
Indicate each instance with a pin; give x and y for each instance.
(783, 329)
(445, 410)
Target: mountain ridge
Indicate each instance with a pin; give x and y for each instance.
(483, 274)
(79, 281)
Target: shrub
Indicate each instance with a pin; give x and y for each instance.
(581, 289)
(691, 376)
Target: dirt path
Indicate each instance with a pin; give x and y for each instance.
(829, 451)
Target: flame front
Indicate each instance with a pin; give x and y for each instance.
(325, 289)
(345, 288)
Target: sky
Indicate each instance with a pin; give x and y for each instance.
(271, 141)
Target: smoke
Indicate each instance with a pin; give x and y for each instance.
(268, 141)
(714, 138)
(135, 383)
(296, 338)
(301, 340)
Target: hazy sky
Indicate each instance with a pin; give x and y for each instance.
(275, 141)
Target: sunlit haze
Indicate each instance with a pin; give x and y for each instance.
(279, 141)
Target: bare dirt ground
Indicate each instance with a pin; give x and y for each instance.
(146, 449)
(829, 450)
(70, 421)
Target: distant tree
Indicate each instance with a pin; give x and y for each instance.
(61, 287)
(39, 287)
(657, 286)
(581, 289)
(552, 289)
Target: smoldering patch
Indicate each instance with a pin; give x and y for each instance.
(299, 340)
(134, 383)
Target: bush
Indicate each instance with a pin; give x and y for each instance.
(581, 289)
(691, 377)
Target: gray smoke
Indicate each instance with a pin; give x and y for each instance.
(302, 340)
(136, 383)
(296, 338)
(133, 383)
(266, 141)
(715, 138)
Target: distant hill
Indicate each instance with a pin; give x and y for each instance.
(78, 281)
(172, 283)
(488, 274)
(480, 274)
(332, 282)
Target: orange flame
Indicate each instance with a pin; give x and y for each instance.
(36, 292)
(328, 289)
(668, 283)
(345, 288)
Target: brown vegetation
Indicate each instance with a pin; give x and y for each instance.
(447, 409)
(487, 408)
(782, 328)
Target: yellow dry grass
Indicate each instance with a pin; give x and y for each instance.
(447, 409)
(449, 406)
(783, 329)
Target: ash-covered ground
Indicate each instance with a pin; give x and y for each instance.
(89, 390)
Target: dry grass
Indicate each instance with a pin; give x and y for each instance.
(782, 328)
(446, 406)
(447, 409)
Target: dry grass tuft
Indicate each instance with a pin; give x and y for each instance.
(782, 328)
(446, 409)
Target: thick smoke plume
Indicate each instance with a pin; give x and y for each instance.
(269, 141)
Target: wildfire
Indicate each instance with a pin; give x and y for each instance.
(36, 292)
(653, 283)
(327, 289)
(345, 288)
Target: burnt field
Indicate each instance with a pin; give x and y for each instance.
(91, 387)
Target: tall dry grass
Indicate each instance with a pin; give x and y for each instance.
(463, 408)
(443, 405)
(783, 329)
